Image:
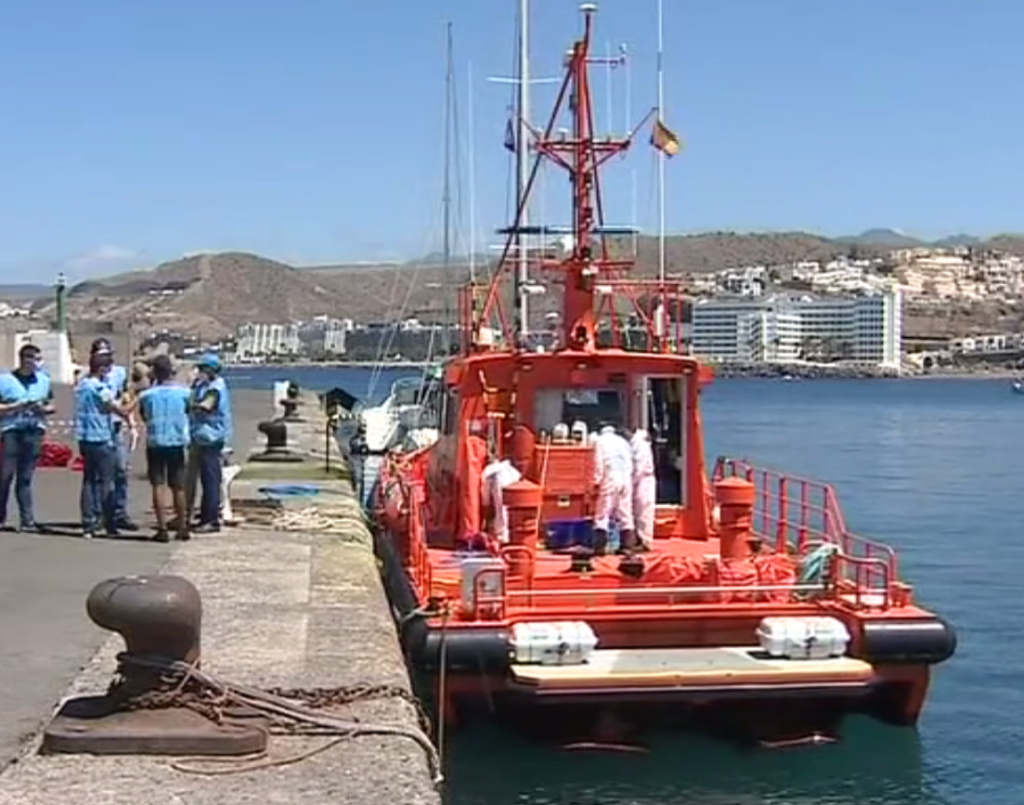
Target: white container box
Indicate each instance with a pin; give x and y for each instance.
(491, 585)
(809, 638)
(560, 643)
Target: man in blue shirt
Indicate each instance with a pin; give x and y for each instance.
(95, 410)
(125, 432)
(25, 401)
(210, 429)
(164, 407)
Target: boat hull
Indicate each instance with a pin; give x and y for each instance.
(471, 666)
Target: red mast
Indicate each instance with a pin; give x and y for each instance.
(582, 155)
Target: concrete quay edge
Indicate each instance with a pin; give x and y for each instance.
(288, 608)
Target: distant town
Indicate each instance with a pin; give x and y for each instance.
(844, 311)
(870, 309)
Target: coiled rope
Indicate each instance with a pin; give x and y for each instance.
(184, 685)
(312, 518)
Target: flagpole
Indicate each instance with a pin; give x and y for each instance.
(661, 154)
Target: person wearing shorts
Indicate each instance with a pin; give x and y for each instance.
(165, 410)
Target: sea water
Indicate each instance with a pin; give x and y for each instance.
(933, 467)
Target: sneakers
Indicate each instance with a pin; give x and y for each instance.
(126, 524)
(207, 528)
(161, 535)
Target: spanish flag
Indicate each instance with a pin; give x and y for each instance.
(664, 139)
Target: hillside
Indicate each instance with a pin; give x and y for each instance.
(209, 295)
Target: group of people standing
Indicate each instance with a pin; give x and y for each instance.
(186, 431)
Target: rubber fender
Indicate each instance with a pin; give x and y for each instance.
(466, 650)
(921, 640)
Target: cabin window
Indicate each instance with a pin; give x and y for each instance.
(450, 412)
(591, 406)
(407, 391)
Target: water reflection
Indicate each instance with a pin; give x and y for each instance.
(872, 765)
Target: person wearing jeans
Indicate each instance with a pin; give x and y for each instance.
(95, 409)
(25, 401)
(210, 426)
(125, 432)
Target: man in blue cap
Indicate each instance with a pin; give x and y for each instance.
(210, 426)
(126, 432)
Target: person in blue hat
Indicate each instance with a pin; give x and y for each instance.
(210, 426)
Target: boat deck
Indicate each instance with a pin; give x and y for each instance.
(701, 668)
(556, 564)
(672, 562)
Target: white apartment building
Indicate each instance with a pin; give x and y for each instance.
(256, 341)
(325, 334)
(865, 329)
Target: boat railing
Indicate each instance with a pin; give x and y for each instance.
(655, 324)
(796, 516)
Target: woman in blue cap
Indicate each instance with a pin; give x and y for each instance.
(210, 426)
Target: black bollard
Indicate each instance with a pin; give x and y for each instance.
(147, 710)
(277, 449)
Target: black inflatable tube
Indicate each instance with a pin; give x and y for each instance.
(921, 640)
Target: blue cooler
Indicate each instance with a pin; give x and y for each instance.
(561, 535)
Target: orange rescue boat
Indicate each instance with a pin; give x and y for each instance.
(752, 609)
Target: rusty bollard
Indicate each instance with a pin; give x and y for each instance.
(148, 710)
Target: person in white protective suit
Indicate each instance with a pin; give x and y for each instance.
(613, 479)
(497, 475)
(644, 487)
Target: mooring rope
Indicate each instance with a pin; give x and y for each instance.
(183, 685)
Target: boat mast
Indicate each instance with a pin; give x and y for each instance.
(447, 203)
(472, 177)
(522, 276)
(661, 154)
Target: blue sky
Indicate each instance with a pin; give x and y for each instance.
(311, 130)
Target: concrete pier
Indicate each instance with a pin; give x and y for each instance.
(292, 599)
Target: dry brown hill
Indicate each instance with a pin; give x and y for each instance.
(209, 295)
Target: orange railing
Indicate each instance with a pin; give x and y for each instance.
(796, 515)
(791, 514)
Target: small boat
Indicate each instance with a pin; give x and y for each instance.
(406, 418)
(1017, 386)
(754, 610)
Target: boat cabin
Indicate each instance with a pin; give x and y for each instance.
(539, 410)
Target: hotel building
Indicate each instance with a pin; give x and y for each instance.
(865, 329)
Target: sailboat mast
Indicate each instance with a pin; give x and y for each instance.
(447, 202)
(472, 176)
(661, 154)
(523, 167)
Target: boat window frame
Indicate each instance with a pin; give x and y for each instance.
(563, 391)
(642, 392)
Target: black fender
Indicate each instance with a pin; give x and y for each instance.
(904, 640)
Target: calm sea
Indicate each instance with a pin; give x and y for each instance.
(933, 467)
